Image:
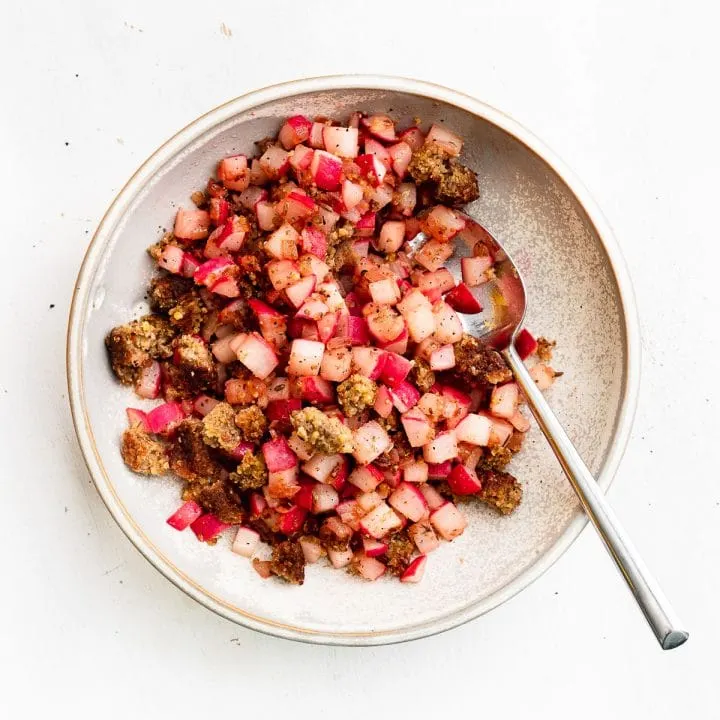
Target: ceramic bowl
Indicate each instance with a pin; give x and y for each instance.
(579, 294)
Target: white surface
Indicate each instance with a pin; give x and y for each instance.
(627, 96)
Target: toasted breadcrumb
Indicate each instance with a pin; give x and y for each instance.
(219, 429)
(355, 394)
(500, 490)
(288, 562)
(143, 453)
(545, 349)
(251, 473)
(325, 434)
(251, 423)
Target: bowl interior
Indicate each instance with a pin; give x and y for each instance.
(573, 298)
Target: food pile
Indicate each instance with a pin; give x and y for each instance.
(320, 395)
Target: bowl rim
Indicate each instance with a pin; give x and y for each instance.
(192, 131)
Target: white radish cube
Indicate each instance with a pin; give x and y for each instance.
(474, 429)
(246, 541)
(305, 357)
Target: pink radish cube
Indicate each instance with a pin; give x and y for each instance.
(448, 521)
(543, 375)
(415, 570)
(233, 173)
(326, 170)
(164, 417)
(417, 427)
(320, 467)
(385, 325)
(432, 497)
(312, 549)
(404, 396)
(383, 402)
(424, 537)
(148, 382)
(310, 264)
(301, 157)
(275, 162)
(442, 223)
(282, 273)
(350, 513)
(246, 542)
(408, 501)
(297, 206)
(474, 429)
(137, 418)
(519, 422)
(372, 169)
(474, 270)
(257, 355)
(368, 567)
(251, 197)
(282, 484)
(305, 357)
(415, 472)
(282, 244)
(504, 400)
(413, 137)
(368, 501)
(278, 455)
(446, 140)
(315, 390)
(295, 130)
(335, 365)
(464, 481)
(448, 326)
(385, 292)
(340, 558)
(208, 527)
(171, 259)
(341, 141)
(401, 155)
(380, 521)
(525, 344)
(380, 126)
(442, 447)
(392, 236)
(395, 369)
(365, 226)
(417, 311)
(443, 358)
(370, 441)
(368, 361)
(366, 477)
(434, 254)
(374, 548)
(441, 280)
(185, 515)
(324, 498)
(352, 194)
(266, 216)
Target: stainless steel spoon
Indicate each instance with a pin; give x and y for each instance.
(503, 299)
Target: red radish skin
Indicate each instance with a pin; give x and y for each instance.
(464, 481)
(374, 548)
(365, 226)
(295, 130)
(413, 137)
(380, 126)
(278, 455)
(404, 396)
(208, 527)
(372, 169)
(461, 299)
(164, 417)
(395, 369)
(408, 501)
(315, 390)
(525, 344)
(185, 515)
(292, 521)
(415, 570)
(326, 170)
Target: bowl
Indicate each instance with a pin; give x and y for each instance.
(579, 294)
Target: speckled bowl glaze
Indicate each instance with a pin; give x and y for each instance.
(579, 294)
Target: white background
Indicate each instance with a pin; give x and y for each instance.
(627, 93)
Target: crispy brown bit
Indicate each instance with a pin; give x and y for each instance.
(166, 291)
(288, 562)
(449, 181)
(355, 394)
(476, 363)
(421, 375)
(219, 429)
(396, 455)
(199, 198)
(223, 500)
(252, 281)
(134, 346)
(545, 349)
(196, 363)
(514, 444)
(335, 534)
(400, 550)
(495, 458)
(325, 434)
(189, 313)
(156, 249)
(190, 457)
(251, 422)
(501, 490)
(142, 453)
(246, 389)
(251, 473)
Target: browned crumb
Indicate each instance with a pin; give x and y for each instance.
(514, 444)
(313, 540)
(219, 429)
(421, 375)
(134, 346)
(142, 453)
(335, 534)
(450, 181)
(251, 422)
(396, 455)
(190, 458)
(476, 362)
(545, 349)
(501, 490)
(251, 473)
(166, 290)
(288, 562)
(196, 363)
(400, 550)
(189, 313)
(199, 198)
(325, 434)
(223, 500)
(355, 394)
(495, 458)
(252, 280)
(156, 248)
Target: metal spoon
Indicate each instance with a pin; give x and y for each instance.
(504, 297)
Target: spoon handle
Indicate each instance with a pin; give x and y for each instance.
(657, 610)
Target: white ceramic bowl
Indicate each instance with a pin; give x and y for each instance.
(579, 294)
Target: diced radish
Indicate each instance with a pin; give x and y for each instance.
(525, 344)
(257, 355)
(404, 396)
(340, 558)
(341, 141)
(504, 400)
(282, 273)
(446, 140)
(326, 326)
(312, 265)
(461, 299)
(457, 404)
(417, 311)
(295, 130)
(373, 147)
(246, 541)
(313, 308)
(464, 481)
(225, 286)
(233, 172)
(383, 402)
(434, 254)
(424, 537)
(408, 501)
(212, 270)
(208, 527)
(365, 226)
(366, 477)
(257, 504)
(392, 236)
(301, 157)
(325, 498)
(448, 521)
(266, 215)
(164, 417)
(282, 484)
(312, 549)
(316, 390)
(257, 174)
(415, 472)
(305, 357)
(372, 169)
(275, 161)
(417, 427)
(352, 194)
(321, 466)
(374, 548)
(303, 450)
(413, 137)
(316, 135)
(405, 199)
(219, 210)
(252, 196)
(326, 170)
(519, 422)
(474, 429)
(368, 567)
(185, 515)
(240, 450)
(385, 325)
(282, 244)
(385, 292)
(368, 361)
(148, 382)
(368, 501)
(223, 350)
(380, 521)
(203, 404)
(395, 369)
(350, 513)
(448, 326)
(137, 418)
(336, 364)
(401, 154)
(297, 206)
(543, 375)
(279, 389)
(171, 259)
(190, 264)
(292, 521)
(500, 431)
(474, 270)
(370, 441)
(380, 126)
(280, 410)
(415, 570)
(278, 455)
(442, 447)
(298, 292)
(432, 497)
(443, 358)
(441, 280)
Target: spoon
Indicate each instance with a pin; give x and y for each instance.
(504, 297)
